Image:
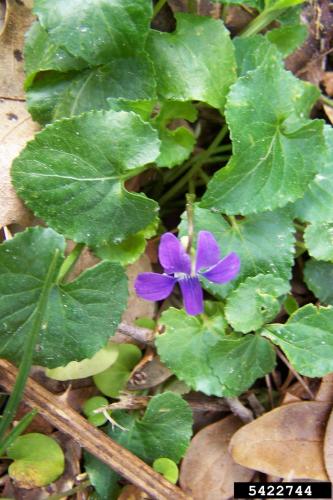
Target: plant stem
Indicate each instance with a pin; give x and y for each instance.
(190, 222)
(29, 348)
(17, 430)
(158, 7)
(177, 172)
(216, 159)
(70, 261)
(260, 22)
(326, 100)
(196, 166)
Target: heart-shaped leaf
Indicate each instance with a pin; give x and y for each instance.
(77, 185)
(276, 150)
(94, 302)
(255, 302)
(208, 360)
(185, 68)
(96, 30)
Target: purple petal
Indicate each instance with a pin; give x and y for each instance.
(153, 286)
(225, 270)
(172, 255)
(192, 295)
(208, 251)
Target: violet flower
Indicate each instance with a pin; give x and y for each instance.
(179, 269)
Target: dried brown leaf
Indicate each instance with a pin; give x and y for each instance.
(208, 471)
(137, 307)
(16, 128)
(328, 447)
(325, 391)
(17, 20)
(148, 375)
(328, 82)
(275, 442)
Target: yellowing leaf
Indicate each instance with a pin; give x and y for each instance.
(38, 460)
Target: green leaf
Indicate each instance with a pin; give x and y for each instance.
(38, 460)
(87, 367)
(319, 278)
(318, 238)
(281, 4)
(113, 380)
(129, 250)
(77, 185)
(256, 4)
(176, 143)
(288, 38)
(44, 94)
(317, 202)
(264, 243)
(102, 478)
(252, 52)
(306, 339)
(255, 302)
(198, 352)
(186, 66)
(130, 78)
(96, 30)
(186, 347)
(167, 468)
(164, 431)
(276, 151)
(89, 407)
(94, 302)
(40, 54)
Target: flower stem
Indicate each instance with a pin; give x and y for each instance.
(197, 164)
(70, 261)
(29, 348)
(190, 222)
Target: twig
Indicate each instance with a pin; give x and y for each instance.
(129, 401)
(255, 404)
(64, 418)
(296, 375)
(270, 392)
(238, 409)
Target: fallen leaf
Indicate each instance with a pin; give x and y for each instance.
(17, 20)
(328, 447)
(136, 307)
(328, 82)
(16, 128)
(148, 375)
(325, 391)
(208, 471)
(131, 492)
(275, 442)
